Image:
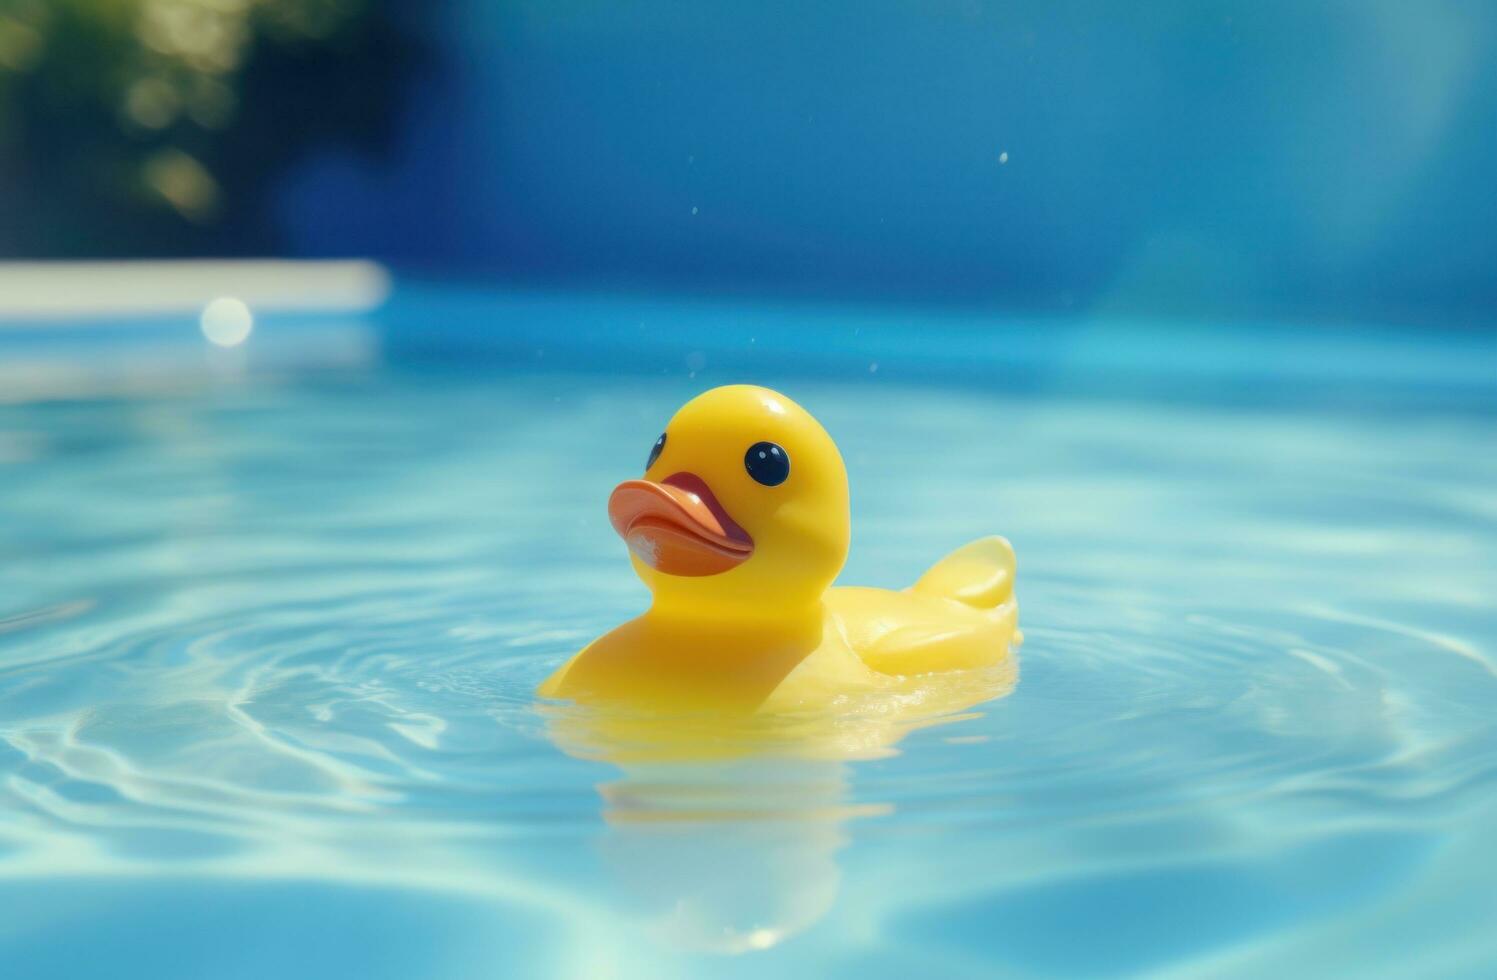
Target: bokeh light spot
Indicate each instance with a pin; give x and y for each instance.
(227, 322)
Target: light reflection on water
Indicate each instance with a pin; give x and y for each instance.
(267, 654)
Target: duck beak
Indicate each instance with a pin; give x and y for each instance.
(677, 526)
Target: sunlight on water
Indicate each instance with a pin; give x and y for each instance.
(267, 654)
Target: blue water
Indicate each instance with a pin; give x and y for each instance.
(270, 620)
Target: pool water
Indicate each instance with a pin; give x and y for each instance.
(271, 619)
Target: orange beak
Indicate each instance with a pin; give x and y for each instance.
(677, 526)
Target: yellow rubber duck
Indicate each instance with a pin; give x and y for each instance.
(738, 528)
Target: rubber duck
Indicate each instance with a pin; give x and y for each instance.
(738, 528)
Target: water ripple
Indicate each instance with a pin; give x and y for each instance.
(294, 634)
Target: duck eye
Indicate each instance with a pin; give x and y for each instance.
(655, 451)
(767, 463)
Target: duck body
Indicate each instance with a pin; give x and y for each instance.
(738, 529)
(960, 615)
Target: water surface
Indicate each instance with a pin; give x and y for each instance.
(269, 633)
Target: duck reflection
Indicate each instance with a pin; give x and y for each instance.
(724, 830)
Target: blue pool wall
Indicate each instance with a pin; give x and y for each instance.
(1324, 160)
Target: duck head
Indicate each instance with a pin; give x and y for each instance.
(743, 508)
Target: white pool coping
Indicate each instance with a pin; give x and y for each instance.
(69, 292)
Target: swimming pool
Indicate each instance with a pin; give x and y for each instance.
(271, 619)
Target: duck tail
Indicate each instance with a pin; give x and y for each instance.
(979, 574)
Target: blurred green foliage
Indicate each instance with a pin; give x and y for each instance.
(156, 127)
